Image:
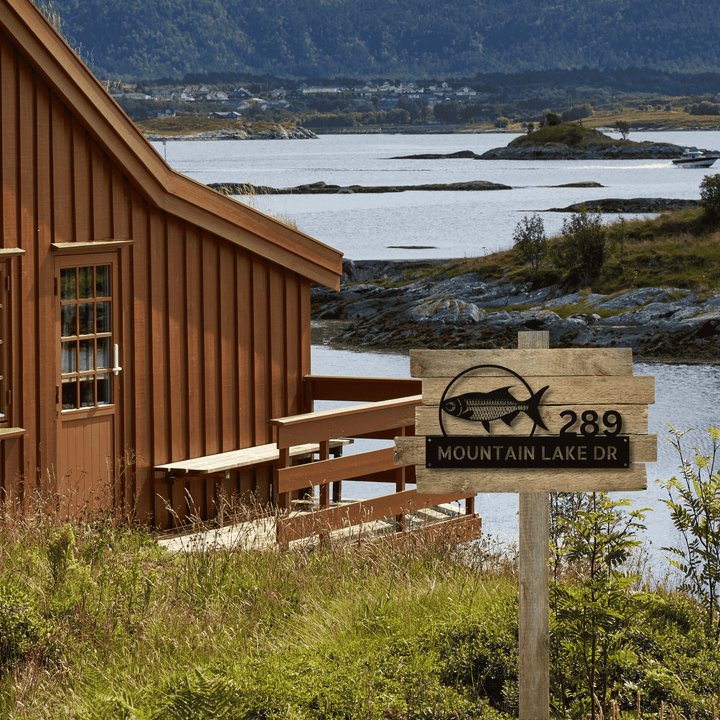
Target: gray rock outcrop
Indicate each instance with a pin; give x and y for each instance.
(276, 132)
(410, 306)
(561, 151)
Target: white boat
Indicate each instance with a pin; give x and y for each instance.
(695, 158)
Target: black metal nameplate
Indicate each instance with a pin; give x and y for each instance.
(567, 451)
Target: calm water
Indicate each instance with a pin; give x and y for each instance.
(448, 224)
(457, 224)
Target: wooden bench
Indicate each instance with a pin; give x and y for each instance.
(222, 464)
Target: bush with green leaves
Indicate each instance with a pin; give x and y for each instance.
(592, 619)
(529, 241)
(694, 503)
(710, 197)
(582, 252)
(553, 119)
(23, 631)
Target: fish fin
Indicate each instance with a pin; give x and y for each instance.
(533, 411)
(502, 393)
(486, 425)
(508, 419)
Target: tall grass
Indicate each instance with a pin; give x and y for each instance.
(253, 196)
(131, 629)
(109, 620)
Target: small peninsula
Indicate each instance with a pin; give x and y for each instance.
(657, 292)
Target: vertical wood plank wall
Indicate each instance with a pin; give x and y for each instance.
(214, 340)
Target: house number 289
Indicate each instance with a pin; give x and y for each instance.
(589, 426)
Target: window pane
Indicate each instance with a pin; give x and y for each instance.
(87, 391)
(102, 281)
(87, 355)
(102, 309)
(85, 282)
(69, 357)
(69, 394)
(103, 353)
(103, 389)
(67, 284)
(86, 318)
(68, 315)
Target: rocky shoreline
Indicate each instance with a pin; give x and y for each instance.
(387, 305)
(321, 188)
(637, 206)
(629, 205)
(277, 132)
(600, 151)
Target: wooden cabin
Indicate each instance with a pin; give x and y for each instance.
(147, 321)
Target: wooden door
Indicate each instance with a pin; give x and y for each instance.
(86, 391)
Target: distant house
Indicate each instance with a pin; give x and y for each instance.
(240, 94)
(365, 91)
(216, 96)
(320, 89)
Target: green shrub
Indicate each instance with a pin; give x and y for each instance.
(710, 197)
(705, 108)
(482, 655)
(22, 629)
(581, 254)
(61, 551)
(530, 243)
(594, 617)
(553, 119)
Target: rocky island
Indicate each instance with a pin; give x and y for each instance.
(568, 141)
(400, 305)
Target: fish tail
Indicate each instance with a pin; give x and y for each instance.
(533, 411)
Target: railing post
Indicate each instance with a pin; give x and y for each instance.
(400, 487)
(282, 500)
(324, 489)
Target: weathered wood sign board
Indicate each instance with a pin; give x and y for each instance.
(563, 420)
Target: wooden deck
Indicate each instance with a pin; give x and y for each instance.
(262, 534)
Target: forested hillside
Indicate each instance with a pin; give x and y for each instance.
(374, 38)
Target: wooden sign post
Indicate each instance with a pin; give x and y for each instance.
(531, 421)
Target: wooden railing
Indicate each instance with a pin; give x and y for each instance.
(391, 413)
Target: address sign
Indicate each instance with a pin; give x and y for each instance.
(529, 421)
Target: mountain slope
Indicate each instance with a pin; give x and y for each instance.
(374, 38)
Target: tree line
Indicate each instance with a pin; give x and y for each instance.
(417, 38)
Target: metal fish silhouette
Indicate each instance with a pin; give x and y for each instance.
(496, 405)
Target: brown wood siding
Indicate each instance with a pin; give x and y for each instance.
(214, 340)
